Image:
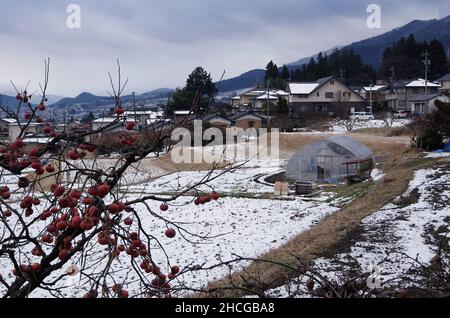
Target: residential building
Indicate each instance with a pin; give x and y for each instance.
(144, 117)
(10, 129)
(256, 98)
(372, 93)
(445, 84)
(248, 119)
(327, 97)
(402, 95)
(418, 103)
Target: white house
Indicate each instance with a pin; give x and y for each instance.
(444, 81)
(403, 95)
(10, 129)
(257, 98)
(324, 98)
(418, 104)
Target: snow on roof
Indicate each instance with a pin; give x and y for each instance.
(105, 120)
(142, 112)
(302, 88)
(282, 93)
(254, 93)
(373, 88)
(236, 97)
(9, 120)
(37, 140)
(264, 97)
(421, 83)
(182, 112)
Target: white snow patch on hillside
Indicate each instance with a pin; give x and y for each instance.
(392, 238)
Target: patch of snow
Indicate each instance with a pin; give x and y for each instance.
(436, 155)
(377, 175)
(339, 126)
(395, 238)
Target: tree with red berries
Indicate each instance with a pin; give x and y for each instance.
(61, 215)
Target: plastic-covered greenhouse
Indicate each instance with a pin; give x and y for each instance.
(330, 160)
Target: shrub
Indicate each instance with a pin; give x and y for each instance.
(430, 140)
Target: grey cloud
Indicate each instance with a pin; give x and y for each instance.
(159, 42)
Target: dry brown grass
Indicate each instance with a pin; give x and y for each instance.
(380, 145)
(323, 237)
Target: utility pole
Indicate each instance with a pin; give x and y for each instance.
(427, 63)
(342, 73)
(134, 107)
(268, 103)
(371, 101)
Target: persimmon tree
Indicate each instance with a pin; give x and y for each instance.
(62, 214)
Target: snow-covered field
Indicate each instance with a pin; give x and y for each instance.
(209, 234)
(339, 126)
(396, 239)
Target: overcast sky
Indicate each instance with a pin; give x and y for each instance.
(160, 41)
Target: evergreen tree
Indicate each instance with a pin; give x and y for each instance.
(272, 71)
(438, 57)
(285, 73)
(200, 81)
(407, 59)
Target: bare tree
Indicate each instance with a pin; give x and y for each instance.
(70, 215)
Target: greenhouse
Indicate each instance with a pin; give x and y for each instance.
(330, 160)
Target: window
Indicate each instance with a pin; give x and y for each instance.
(344, 94)
(318, 94)
(349, 94)
(304, 109)
(332, 82)
(329, 95)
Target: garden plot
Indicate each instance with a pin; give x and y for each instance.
(397, 238)
(242, 180)
(213, 233)
(340, 126)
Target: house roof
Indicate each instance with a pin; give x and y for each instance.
(105, 120)
(9, 120)
(160, 124)
(245, 113)
(421, 98)
(254, 92)
(212, 117)
(182, 112)
(444, 78)
(420, 82)
(271, 97)
(302, 88)
(374, 88)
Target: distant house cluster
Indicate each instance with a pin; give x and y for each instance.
(330, 97)
(327, 97)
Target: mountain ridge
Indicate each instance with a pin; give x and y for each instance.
(370, 49)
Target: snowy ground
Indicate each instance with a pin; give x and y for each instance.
(395, 238)
(339, 126)
(248, 178)
(214, 232)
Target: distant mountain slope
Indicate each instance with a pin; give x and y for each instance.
(371, 50)
(9, 102)
(83, 98)
(245, 80)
